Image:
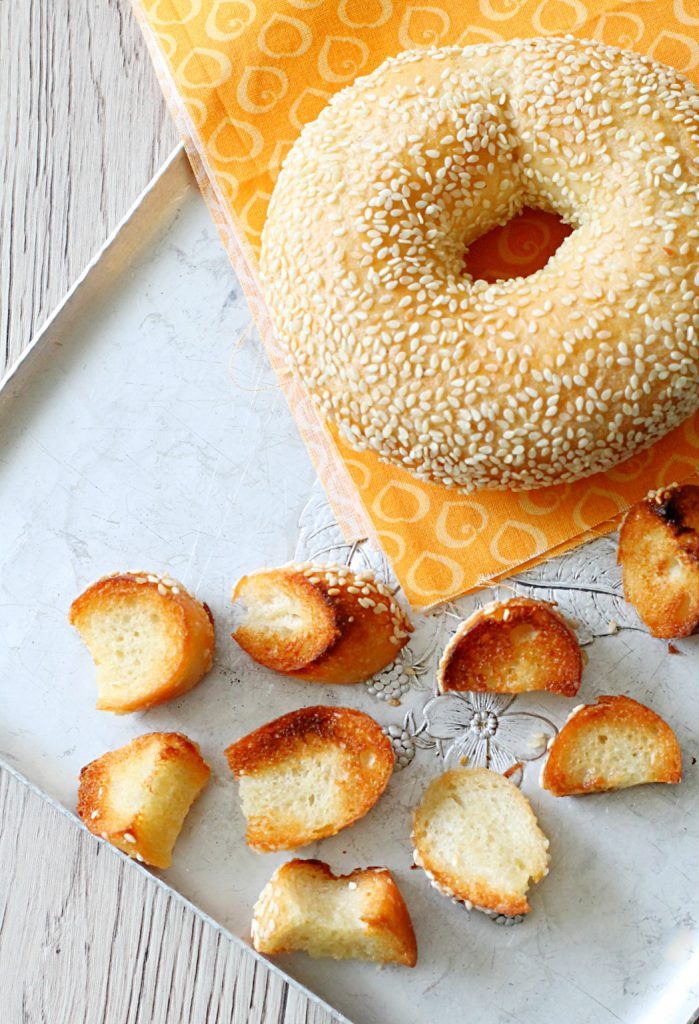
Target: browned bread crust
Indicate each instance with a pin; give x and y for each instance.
(478, 841)
(172, 631)
(659, 556)
(337, 626)
(361, 915)
(612, 744)
(138, 796)
(512, 647)
(309, 774)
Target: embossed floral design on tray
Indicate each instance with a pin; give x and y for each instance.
(478, 729)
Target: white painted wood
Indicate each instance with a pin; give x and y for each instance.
(85, 937)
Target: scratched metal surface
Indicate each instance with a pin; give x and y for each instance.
(155, 437)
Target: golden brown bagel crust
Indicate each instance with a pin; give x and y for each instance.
(513, 838)
(384, 924)
(524, 382)
(352, 626)
(659, 556)
(189, 642)
(137, 797)
(513, 646)
(612, 744)
(276, 740)
(343, 758)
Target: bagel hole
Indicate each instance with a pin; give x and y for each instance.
(516, 249)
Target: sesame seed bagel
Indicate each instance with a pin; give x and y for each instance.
(321, 623)
(523, 382)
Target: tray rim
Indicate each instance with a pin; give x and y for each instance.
(170, 182)
(142, 220)
(133, 233)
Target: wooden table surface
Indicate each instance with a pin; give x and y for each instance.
(84, 936)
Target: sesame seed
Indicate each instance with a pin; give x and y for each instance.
(444, 374)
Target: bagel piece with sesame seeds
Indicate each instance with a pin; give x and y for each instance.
(149, 638)
(320, 623)
(659, 557)
(137, 797)
(514, 646)
(612, 744)
(523, 382)
(477, 839)
(309, 774)
(359, 916)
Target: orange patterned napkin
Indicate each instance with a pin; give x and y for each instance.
(242, 77)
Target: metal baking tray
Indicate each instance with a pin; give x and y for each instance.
(144, 428)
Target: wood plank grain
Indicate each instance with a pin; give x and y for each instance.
(84, 128)
(86, 936)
